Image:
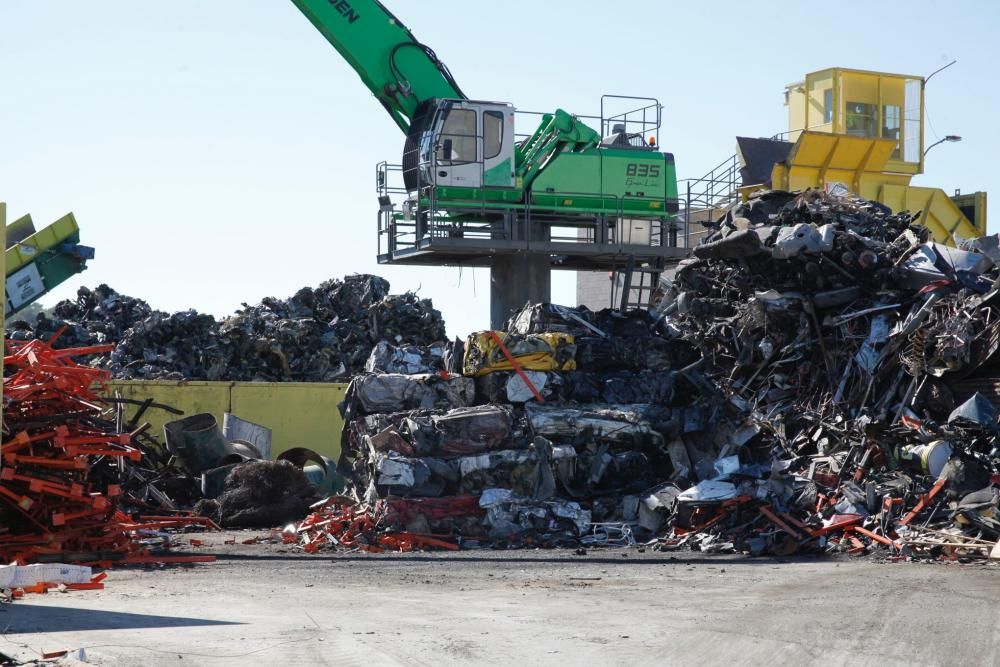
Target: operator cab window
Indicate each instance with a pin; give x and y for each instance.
(891, 123)
(492, 134)
(457, 143)
(861, 119)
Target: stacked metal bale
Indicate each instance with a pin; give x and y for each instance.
(556, 449)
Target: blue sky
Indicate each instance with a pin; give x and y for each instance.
(220, 151)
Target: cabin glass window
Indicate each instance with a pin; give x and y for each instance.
(460, 129)
(492, 134)
(860, 119)
(912, 121)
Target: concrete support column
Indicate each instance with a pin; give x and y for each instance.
(515, 280)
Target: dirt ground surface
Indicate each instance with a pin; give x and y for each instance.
(268, 605)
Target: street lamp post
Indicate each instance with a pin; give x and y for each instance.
(950, 138)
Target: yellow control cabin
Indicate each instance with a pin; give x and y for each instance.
(864, 130)
(869, 105)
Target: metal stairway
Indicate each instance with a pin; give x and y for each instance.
(701, 200)
(633, 288)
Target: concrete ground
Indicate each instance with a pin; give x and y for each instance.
(266, 605)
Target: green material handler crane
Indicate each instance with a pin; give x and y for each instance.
(475, 193)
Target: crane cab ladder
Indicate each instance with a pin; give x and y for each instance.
(635, 286)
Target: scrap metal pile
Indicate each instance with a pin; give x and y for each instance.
(219, 475)
(64, 466)
(817, 377)
(509, 439)
(841, 353)
(319, 334)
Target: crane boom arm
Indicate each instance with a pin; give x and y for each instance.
(399, 70)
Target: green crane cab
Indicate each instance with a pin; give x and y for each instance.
(465, 170)
(464, 143)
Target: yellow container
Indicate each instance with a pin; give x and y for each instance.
(299, 414)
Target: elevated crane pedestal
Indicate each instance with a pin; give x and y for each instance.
(514, 281)
(520, 270)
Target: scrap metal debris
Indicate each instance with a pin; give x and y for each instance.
(261, 494)
(318, 334)
(64, 467)
(816, 377)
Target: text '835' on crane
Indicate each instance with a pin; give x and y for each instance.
(471, 191)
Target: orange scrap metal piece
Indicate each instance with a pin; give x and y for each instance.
(798, 524)
(92, 586)
(839, 522)
(43, 587)
(919, 507)
(888, 504)
(777, 521)
(50, 655)
(421, 540)
(874, 536)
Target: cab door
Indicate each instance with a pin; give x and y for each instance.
(497, 122)
(458, 153)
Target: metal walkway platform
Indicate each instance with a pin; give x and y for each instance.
(438, 251)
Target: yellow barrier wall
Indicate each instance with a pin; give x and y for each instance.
(299, 414)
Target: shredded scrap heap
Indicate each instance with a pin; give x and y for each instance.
(319, 334)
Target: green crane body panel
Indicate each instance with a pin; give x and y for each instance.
(490, 197)
(609, 180)
(498, 175)
(400, 71)
(595, 181)
(37, 262)
(557, 133)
